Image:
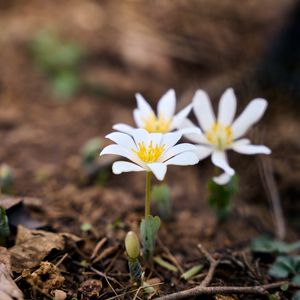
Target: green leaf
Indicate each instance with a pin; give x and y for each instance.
(296, 280)
(296, 296)
(265, 244)
(52, 53)
(65, 84)
(221, 196)
(149, 228)
(282, 267)
(161, 195)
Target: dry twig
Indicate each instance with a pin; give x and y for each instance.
(200, 290)
(213, 264)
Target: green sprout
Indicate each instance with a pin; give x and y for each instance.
(60, 60)
(6, 179)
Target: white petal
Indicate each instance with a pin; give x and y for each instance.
(119, 167)
(183, 159)
(203, 151)
(252, 114)
(114, 150)
(170, 139)
(190, 130)
(158, 169)
(121, 151)
(239, 142)
(177, 149)
(192, 133)
(123, 128)
(140, 135)
(220, 160)
(122, 139)
(154, 138)
(179, 117)
(222, 179)
(143, 106)
(167, 104)
(251, 149)
(138, 118)
(227, 107)
(203, 110)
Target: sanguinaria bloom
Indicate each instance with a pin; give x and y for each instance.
(217, 135)
(165, 120)
(151, 152)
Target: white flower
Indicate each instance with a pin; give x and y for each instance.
(217, 135)
(164, 121)
(151, 152)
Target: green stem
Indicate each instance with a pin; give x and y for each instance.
(147, 194)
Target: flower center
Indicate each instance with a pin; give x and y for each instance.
(220, 136)
(149, 154)
(157, 124)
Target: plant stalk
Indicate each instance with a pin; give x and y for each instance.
(147, 194)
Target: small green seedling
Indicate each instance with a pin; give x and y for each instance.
(86, 227)
(193, 271)
(60, 60)
(265, 244)
(161, 195)
(6, 179)
(132, 246)
(287, 267)
(221, 197)
(161, 262)
(4, 227)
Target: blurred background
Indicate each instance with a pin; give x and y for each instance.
(70, 69)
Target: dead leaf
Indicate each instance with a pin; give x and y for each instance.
(90, 289)
(18, 213)
(8, 288)
(32, 246)
(46, 278)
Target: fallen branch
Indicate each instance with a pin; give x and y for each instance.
(200, 290)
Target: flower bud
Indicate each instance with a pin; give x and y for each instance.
(6, 179)
(132, 245)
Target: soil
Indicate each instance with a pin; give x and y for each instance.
(41, 138)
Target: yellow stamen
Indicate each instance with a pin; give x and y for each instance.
(149, 154)
(157, 124)
(220, 136)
